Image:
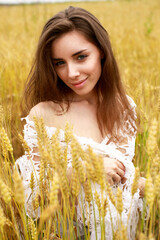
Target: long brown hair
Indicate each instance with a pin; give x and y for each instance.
(43, 83)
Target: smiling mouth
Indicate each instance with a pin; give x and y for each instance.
(79, 83)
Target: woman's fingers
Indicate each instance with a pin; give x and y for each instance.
(123, 180)
(120, 165)
(116, 178)
(120, 172)
(111, 182)
(114, 169)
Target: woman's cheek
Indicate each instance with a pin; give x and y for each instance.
(60, 73)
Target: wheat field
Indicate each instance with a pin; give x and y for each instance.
(134, 29)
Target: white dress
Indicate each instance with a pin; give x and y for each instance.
(26, 167)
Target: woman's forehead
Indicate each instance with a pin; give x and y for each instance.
(71, 43)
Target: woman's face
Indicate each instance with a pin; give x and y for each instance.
(77, 62)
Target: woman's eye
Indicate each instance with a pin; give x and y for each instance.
(59, 63)
(81, 57)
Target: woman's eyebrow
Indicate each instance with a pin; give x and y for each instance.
(73, 55)
(79, 52)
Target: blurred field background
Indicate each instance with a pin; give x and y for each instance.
(134, 29)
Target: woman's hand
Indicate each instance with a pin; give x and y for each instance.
(114, 170)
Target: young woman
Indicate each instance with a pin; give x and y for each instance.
(75, 79)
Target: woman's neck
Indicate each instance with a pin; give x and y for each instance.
(90, 98)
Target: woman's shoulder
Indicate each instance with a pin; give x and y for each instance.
(46, 110)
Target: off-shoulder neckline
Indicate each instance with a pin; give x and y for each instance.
(103, 142)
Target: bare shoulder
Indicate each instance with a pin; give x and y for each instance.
(46, 110)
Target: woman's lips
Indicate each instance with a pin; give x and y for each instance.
(79, 83)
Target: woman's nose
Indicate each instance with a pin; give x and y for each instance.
(73, 71)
